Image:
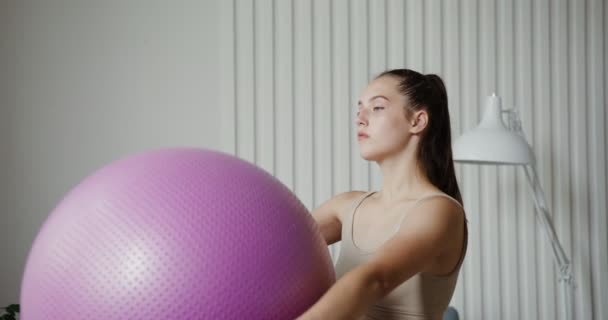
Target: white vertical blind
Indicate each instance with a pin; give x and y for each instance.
(293, 72)
(505, 84)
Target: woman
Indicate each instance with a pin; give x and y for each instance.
(402, 246)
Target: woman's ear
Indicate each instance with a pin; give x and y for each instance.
(419, 121)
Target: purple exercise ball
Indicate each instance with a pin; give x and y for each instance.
(177, 234)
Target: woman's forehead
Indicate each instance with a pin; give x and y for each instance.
(383, 87)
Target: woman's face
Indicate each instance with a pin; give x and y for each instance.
(382, 127)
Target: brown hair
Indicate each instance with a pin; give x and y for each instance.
(427, 92)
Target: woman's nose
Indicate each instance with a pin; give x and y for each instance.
(361, 118)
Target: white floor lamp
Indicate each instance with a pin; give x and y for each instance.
(494, 143)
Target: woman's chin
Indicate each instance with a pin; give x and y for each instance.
(368, 156)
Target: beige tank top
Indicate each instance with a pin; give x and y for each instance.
(423, 296)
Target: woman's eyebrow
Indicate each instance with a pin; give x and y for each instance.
(373, 98)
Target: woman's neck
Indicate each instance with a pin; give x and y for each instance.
(403, 178)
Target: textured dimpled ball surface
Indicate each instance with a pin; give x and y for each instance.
(177, 234)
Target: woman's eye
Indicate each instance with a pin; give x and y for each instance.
(378, 108)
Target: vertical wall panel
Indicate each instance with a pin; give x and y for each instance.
(284, 78)
(580, 180)
(414, 37)
(377, 62)
(293, 73)
(245, 80)
(359, 76)
(490, 232)
(469, 184)
(342, 106)
(303, 97)
(395, 42)
(560, 117)
(597, 156)
(433, 46)
(507, 202)
(264, 81)
(541, 108)
(523, 100)
(451, 76)
(322, 101)
(228, 77)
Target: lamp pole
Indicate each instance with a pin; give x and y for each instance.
(543, 217)
(563, 264)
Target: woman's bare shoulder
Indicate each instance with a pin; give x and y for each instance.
(439, 206)
(338, 204)
(329, 215)
(348, 196)
(345, 200)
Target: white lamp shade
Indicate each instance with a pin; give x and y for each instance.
(491, 142)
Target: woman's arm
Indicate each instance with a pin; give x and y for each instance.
(429, 230)
(349, 297)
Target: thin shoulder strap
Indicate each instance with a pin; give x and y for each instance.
(348, 225)
(358, 202)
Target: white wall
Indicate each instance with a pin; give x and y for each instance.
(86, 82)
(295, 68)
